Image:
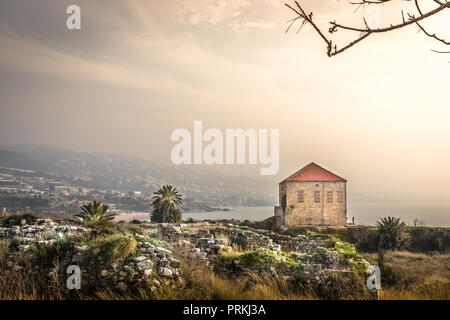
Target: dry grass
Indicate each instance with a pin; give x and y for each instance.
(406, 275)
(224, 236)
(26, 284)
(410, 275)
(203, 283)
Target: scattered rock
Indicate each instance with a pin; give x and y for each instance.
(139, 259)
(163, 262)
(23, 247)
(163, 250)
(165, 272)
(148, 273)
(175, 263)
(156, 283)
(148, 245)
(144, 265)
(121, 286)
(104, 273)
(17, 268)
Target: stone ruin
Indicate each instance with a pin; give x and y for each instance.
(316, 262)
(154, 261)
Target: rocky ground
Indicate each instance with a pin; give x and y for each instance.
(240, 249)
(151, 251)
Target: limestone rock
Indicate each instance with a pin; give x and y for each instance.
(104, 273)
(165, 272)
(139, 259)
(121, 286)
(175, 263)
(144, 265)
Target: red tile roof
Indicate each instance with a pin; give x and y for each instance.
(313, 172)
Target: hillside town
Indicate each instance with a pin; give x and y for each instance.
(24, 190)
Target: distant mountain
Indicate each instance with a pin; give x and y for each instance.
(21, 161)
(127, 173)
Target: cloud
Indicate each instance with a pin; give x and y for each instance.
(224, 13)
(147, 67)
(259, 25)
(212, 12)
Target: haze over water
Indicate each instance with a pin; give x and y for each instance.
(364, 213)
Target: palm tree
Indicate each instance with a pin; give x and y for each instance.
(391, 230)
(95, 212)
(165, 204)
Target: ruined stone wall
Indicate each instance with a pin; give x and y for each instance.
(314, 261)
(249, 240)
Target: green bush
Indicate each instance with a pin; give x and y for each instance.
(368, 241)
(423, 239)
(417, 239)
(388, 276)
(112, 247)
(290, 262)
(348, 250)
(47, 256)
(162, 215)
(29, 217)
(253, 257)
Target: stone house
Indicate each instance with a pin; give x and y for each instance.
(312, 196)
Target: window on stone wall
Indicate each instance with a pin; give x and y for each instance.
(340, 196)
(316, 196)
(300, 196)
(330, 196)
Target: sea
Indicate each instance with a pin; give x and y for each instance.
(365, 213)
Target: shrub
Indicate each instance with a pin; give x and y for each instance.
(423, 239)
(47, 256)
(29, 217)
(162, 215)
(112, 247)
(416, 239)
(249, 258)
(290, 262)
(238, 242)
(253, 257)
(368, 241)
(348, 250)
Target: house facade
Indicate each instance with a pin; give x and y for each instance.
(312, 196)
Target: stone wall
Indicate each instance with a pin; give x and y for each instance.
(149, 264)
(156, 260)
(315, 261)
(310, 212)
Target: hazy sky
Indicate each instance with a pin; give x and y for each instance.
(377, 115)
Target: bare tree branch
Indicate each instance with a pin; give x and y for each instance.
(366, 31)
(412, 20)
(434, 36)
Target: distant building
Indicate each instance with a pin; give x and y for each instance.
(59, 189)
(312, 196)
